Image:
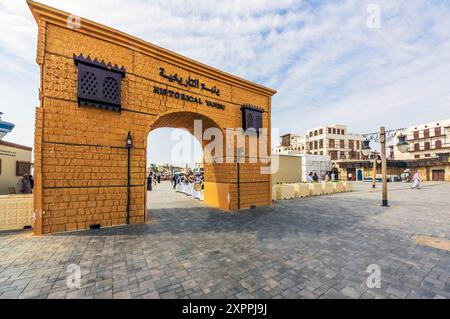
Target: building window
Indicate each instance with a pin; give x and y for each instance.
(22, 168)
(416, 147)
(331, 143)
(417, 156)
(316, 145)
(427, 146)
(321, 144)
(437, 131)
(321, 152)
(321, 131)
(310, 145)
(342, 142)
(334, 131)
(351, 144)
(416, 135)
(426, 133)
(427, 155)
(329, 130)
(438, 144)
(357, 145)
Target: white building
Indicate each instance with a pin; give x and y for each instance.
(425, 141)
(334, 141)
(319, 164)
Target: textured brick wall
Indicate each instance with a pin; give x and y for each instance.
(81, 163)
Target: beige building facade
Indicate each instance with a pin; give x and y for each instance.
(426, 141)
(333, 140)
(15, 160)
(430, 170)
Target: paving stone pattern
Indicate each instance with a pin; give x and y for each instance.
(316, 247)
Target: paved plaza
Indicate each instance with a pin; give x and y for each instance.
(317, 247)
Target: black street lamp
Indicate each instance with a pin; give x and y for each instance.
(383, 137)
(129, 146)
(402, 144)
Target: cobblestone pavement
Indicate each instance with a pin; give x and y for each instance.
(305, 248)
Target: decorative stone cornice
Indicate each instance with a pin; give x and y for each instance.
(99, 64)
(253, 107)
(60, 18)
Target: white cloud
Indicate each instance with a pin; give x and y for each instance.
(325, 63)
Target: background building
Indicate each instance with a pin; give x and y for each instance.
(295, 168)
(426, 141)
(334, 141)
(15, 160)
(435, 169)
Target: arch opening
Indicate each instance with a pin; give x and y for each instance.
(176, 173)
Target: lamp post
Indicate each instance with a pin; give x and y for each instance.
(129, 146)
(384, 137)
(240, 156)
(374, 170)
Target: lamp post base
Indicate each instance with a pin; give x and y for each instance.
(385, 203)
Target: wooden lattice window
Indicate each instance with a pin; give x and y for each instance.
(251, 118)
(22, 168)
(99, 84)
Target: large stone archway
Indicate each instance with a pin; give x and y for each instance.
(98, 84)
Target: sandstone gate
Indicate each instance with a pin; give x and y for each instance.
(98, 84)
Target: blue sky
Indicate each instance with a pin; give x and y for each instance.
(326, 64)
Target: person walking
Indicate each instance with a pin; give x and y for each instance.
(309, 178)
(416, 179)
(333, 176)
(149, 181)
(31, 179)
(23, 185)
(159, 178)
(174, 181)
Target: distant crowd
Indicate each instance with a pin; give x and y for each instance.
(327, 177)
(190, 177)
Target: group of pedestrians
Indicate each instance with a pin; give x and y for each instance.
(313, 177)
(190, 177)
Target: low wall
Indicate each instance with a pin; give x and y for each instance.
(16, 211)
(295, 190)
